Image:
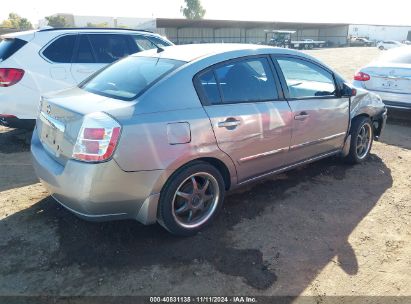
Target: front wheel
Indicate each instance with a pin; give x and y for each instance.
(362, 136)
(381, 48)
(191, 198)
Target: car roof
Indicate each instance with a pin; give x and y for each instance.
(191, 52)
(57, 31)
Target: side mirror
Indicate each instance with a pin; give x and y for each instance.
(348, 91)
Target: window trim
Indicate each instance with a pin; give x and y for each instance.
(41, 51)
(284, 85)
(201, 94)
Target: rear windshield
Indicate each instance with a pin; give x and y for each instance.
(129, 77)
(9, 46)
(398, 55)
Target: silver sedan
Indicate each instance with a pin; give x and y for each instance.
(160, 136)
(390, 77)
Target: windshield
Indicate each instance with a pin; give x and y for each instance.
(129, 77)
(398, 55)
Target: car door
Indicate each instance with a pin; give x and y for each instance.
(250, 118)
(95, 51)
(320, 114)
(58, 53)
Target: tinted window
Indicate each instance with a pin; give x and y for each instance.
(143, 43)
(129, 77)
(158, 41)
(305, 79)
(109, 47)
(61, 49)
(84, 52)
(9, 46)
(246, 80)
(209, 87)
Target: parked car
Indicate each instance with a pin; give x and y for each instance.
(160, 136)
(360, 41)
(388, 44)
(390, 77)
(35, 62)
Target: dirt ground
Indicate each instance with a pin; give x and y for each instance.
(324, 229)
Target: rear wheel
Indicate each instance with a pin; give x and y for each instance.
(381, 47)
(361, 140)
(191, 198)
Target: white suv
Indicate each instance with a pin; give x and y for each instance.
(35, 62)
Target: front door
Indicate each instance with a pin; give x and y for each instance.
(320, 115)
(250, 120)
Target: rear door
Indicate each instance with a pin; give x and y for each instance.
(250, 119)
(59, 53)
(95, 51)
(320, 115)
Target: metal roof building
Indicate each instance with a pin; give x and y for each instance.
(182, 31)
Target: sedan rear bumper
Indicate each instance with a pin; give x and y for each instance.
(395, 100)
(100, 191)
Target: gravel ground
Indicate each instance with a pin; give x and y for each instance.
(323, 229)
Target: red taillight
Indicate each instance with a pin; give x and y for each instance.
(97, 139)
(8, 77)
(361, 76)
(94, 133)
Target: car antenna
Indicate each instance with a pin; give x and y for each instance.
(159, 49)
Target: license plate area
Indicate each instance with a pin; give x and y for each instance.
(52, 133)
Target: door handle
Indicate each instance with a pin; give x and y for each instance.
(301, 116)
(230, 123)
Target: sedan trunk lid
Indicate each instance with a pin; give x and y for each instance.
(61, 117)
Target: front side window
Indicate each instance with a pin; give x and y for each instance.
(61, 49)
(305, 79)
(143, 43)
(246, 80)
(109, 47)
(129, 77)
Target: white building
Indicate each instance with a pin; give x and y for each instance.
(380, 32)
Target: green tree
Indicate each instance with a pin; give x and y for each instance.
(15, 21)
(193, 9)
(57, 21)
(103, 24)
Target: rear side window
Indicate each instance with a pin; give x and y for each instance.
(108, 47)
(9, 46)
(210, 87)
(61, 49)
(246, 80)
(84, 51)
(129, 77)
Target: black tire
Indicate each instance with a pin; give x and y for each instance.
(168, 216)
(356, 154)
(381, 48)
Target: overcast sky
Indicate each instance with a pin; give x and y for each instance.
(346, 11)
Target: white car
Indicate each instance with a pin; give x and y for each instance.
(35, 62)
(389, 77)
(388, 44)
